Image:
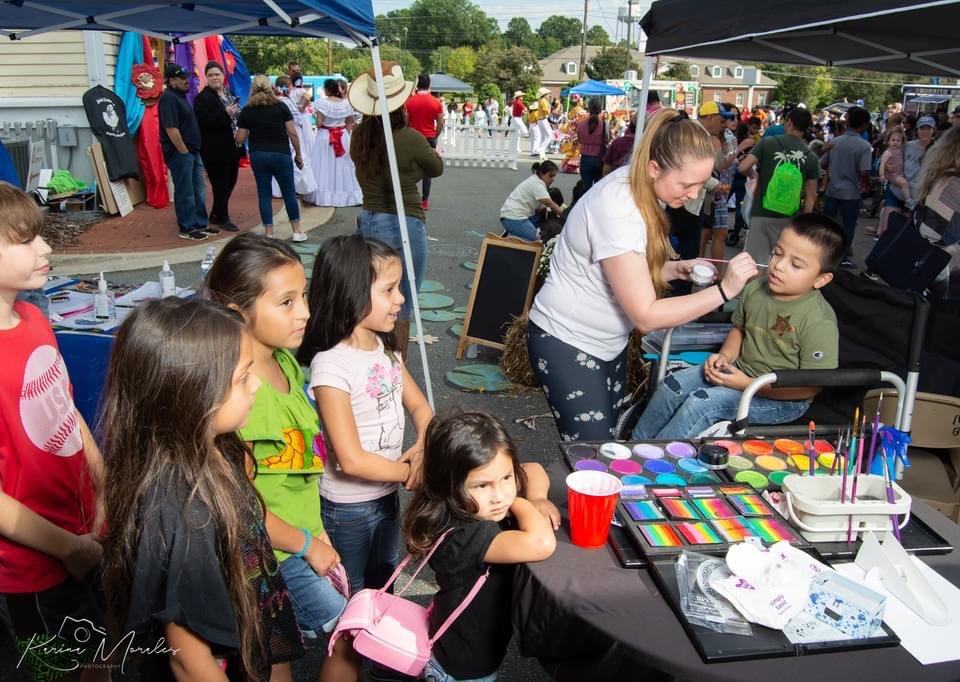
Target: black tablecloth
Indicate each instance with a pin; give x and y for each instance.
(587, 618)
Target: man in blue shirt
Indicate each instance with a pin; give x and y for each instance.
(180, 143)
(848, 163)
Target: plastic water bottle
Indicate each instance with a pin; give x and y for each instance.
(168, 286)
(207, 263)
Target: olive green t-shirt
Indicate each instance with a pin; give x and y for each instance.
(281, 427)
(416, 160)
(798, 334)
(768, 152)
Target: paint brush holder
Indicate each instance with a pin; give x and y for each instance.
(814, 507)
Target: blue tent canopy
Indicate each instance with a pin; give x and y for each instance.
(591, 88)
(349, 21)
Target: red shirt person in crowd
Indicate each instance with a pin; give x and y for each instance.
(425, 115)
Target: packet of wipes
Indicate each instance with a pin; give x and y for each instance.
(768, 587)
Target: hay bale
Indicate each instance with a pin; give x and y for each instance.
(514, 360)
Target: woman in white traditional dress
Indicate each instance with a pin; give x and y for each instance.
(332, 166)
(303, 180)
(302, 116)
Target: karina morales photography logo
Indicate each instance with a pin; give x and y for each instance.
(81, 644)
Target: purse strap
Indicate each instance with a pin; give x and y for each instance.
(460, 609)
(416, 572)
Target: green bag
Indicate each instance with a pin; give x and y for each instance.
(786, 185)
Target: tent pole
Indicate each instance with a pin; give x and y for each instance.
(401, 217)
(642, 106)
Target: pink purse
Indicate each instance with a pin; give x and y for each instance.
(394, 631)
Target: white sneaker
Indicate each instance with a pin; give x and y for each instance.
(298, 237)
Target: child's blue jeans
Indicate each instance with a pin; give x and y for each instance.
(366, 535)
(686, 404)
(316, 602)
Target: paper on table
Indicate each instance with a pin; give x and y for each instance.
(86, 323)
(69, 302)
(146, 291)
(927, 643)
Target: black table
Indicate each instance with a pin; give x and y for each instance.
(587, 618)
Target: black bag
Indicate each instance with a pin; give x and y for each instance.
(904, 258)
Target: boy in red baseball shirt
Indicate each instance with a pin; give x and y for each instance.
(50, 472)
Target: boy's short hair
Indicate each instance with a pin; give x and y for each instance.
(825, 233)
(801, 119)
(755, 121)
(20, 219)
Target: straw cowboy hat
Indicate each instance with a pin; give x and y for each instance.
(518, 93)
(363, 91)
(543, 91)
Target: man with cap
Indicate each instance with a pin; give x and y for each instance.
(914, 152)
(180, 143)
(517, 110)
(713, 117)
(425, 114)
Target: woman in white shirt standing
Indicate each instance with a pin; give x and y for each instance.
(519, 213)
(609, 269)
(332, 166)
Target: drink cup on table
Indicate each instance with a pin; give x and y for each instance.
(591, 498)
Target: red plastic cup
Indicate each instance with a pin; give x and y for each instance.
(591, 498)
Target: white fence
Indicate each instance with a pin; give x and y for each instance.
(479, 146)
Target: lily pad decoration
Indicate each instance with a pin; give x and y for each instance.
(460, 311)
(305, 249)
(429, 286)
(437, 316)
(434, 301)
(481, 378)
(469, 265)
(456, 330)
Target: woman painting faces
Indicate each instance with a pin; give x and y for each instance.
(609, 271)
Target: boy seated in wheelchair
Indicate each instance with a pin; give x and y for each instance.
(782, 322)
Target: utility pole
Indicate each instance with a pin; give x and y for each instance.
(583, 40)
(629, 33)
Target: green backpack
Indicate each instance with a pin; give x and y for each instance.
(785, 187)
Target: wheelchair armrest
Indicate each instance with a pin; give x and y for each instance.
(794, 378)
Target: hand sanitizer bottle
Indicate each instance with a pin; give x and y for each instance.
(207, 263)
(103, 304)
(168, 285)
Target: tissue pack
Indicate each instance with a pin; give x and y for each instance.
(845, 605)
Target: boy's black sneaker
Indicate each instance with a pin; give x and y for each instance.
(848, 263)
(195, 236)
(228, 226)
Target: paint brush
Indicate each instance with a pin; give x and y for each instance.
(856, 477)
(721, 260)
(836, 451)
(873, 436)
(811, 432)
(888, 486)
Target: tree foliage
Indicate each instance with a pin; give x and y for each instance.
(677, 71)
(566, 30)
(433, 23)
(462, 62)
(271, 54)
(510, 69)
(818, 86)
(609, 63)
(597, 35)
(360, 61)
(518, 33)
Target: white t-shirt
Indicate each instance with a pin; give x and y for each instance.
(374, 383)
(576, 304)
(525, 198)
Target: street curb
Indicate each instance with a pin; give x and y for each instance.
(311, 217)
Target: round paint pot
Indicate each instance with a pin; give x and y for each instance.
(713, 456)
(589, 465)
(582, 451)
(671, 479)
(706, 477)
(826, 459)
(757, 447)
(776, 477)
(802, 462)
(627, 466)
(615, 451)
(648, 451)
(691, 466)
(770, 463)
(636, 480)
(819, 446)
(659, 466)
(732, 446)
(740, 463)
(753, 478)
(788, 446)
(680, 450)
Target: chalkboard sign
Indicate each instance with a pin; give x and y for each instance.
(502, 289)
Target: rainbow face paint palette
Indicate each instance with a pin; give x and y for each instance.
(708, 518)
(669, 463)
(763, 464)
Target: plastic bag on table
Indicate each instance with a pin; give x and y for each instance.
(701, 604)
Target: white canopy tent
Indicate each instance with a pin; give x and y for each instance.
(346, 20)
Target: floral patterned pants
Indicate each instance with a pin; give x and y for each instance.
(586, 394)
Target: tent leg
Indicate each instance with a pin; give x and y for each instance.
(402, 218)
(642, 107)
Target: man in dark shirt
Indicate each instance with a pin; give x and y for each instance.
(180, 142)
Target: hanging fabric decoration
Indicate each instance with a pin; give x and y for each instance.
(149, 84)
(129, 53)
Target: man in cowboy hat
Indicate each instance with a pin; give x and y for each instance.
(540, 133)
(425, 114)
(517, 110)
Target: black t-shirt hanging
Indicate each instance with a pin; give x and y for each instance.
(108, 122)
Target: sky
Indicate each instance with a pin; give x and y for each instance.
(603, 12)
